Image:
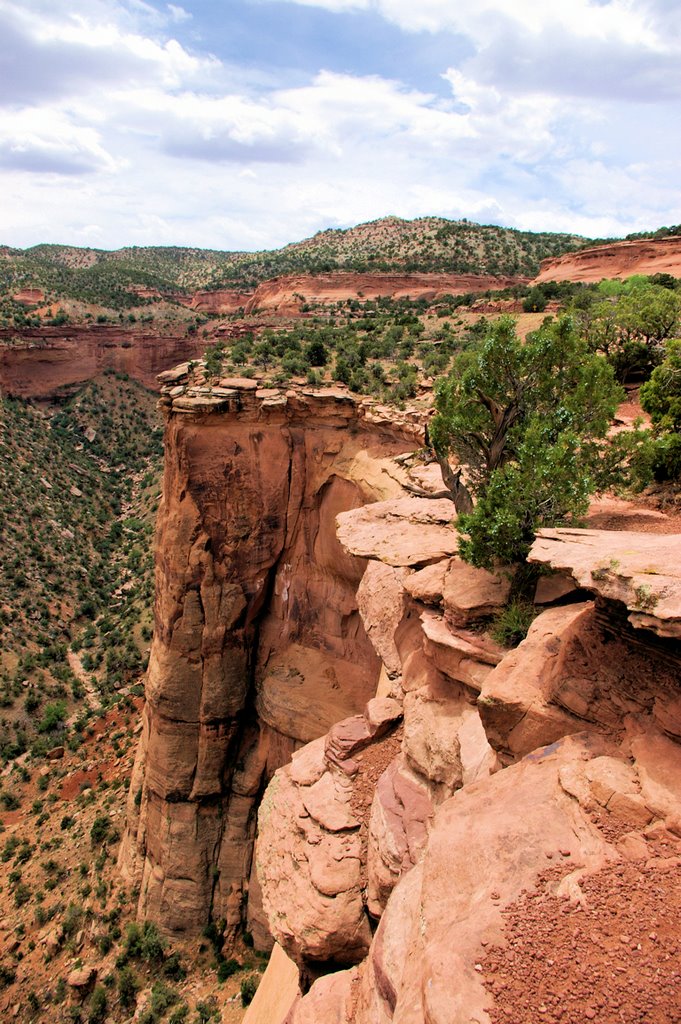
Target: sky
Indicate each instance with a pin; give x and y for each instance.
(247, 124)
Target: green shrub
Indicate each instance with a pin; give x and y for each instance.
(98, 1006)
(53, 716)
(512, 623)
(249, 987)
(101, 829)
(226, 968)
(162, 997)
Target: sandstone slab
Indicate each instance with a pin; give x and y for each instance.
(641, 570)
(401, 532)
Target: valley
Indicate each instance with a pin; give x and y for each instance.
(273, 751)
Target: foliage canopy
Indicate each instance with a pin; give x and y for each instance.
(528, 422)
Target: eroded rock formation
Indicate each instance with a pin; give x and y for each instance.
(537, 770)
(48, 359)
(315, 627)
(259, 646)
(288, 294)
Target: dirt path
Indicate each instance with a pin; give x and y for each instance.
(92, 697)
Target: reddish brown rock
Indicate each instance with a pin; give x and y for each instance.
(419, 969)
(49, 359)
(401, 813)
(255, 612)
(641, 570)
(471, 594)
(516, 699)
(404, 532)
(460, 654)
(381, 603)
(616, 260)
(427, 585)
(287, 295)
(553, 588)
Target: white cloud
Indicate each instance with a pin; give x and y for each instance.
(178, 14)
(116, 132)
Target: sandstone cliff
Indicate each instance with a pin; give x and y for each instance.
(288, 294)
(259, 646)
(438, 804)
(48, 359)
(407, 840)
(617, 260)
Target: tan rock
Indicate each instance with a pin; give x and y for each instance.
(402, 532)
(401, 813)
(515, 702)
(427, 585)
(641, 570)
(658, 766)
(328, 802)
(418, 969)
(471, 594)
(553, 588)
(461, 654)
(296, 855)
(82, 977)
(277, 991)
(381, 603)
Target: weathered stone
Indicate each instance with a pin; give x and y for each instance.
(642, 570)
(402, 532)
(471, 594)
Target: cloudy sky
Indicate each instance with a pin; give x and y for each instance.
(246, 124)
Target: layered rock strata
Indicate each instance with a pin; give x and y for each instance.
(258, 645)
(520, 775)
(37, 362)
(616, 260)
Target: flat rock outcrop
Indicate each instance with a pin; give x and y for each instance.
(640, 570)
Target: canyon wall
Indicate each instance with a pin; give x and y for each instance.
(617, 260)
(336, 753)
(258, 645)
(287, 294)
(46, 360)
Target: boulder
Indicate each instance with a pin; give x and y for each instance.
(471, 594)
(401, 532)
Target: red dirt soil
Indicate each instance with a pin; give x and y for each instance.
(616, 959)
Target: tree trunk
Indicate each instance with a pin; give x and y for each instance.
(458, 491)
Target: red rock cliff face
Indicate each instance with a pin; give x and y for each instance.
(286, 294)
(619, 260)
(258, 646)
(51, 358)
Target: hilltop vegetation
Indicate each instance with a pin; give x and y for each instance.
(391, 244)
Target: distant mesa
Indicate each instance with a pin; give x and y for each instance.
(616, 260)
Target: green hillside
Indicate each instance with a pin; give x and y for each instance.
(390, 244)
(76, 519)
